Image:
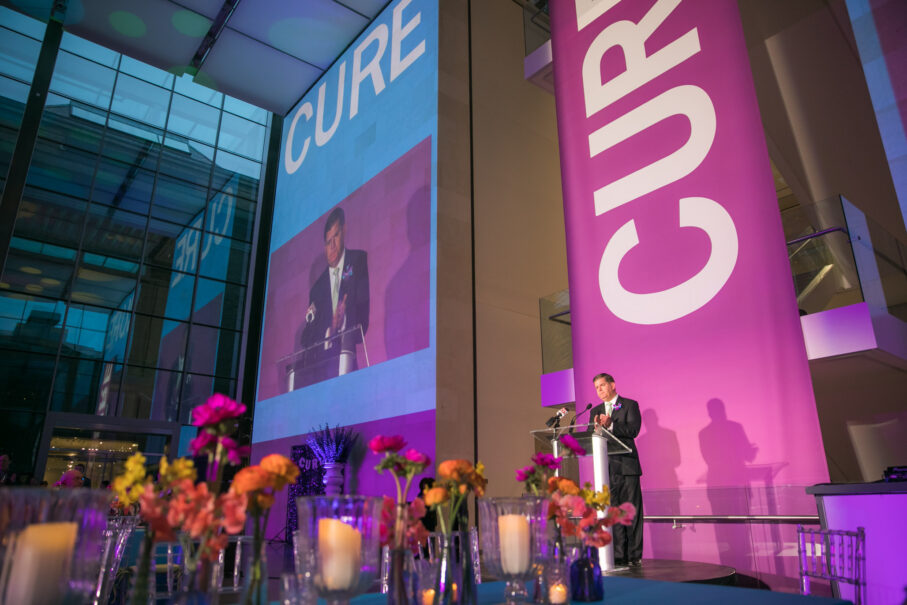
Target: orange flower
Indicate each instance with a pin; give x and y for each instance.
(567, 486)
(250, 479)
(281, 468)
(458, 470)
(436, 496)
(234, 509)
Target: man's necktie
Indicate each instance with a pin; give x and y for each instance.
(335, 286)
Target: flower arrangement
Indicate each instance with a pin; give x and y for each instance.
(456, 480)
(258, 484)
(407, 528)
(576, 511)
(175, 506)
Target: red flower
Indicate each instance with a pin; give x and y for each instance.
(524, 473)
(380, 444)
(202, 442)
(217, 409)
(546, 460)
(417, 458)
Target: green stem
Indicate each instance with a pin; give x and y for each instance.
(455, 508)
(141, 588)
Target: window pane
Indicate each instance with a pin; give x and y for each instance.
(196, 390)
(103, 286)
(179, 201)
(157, 342)
(48, 216)
(146, 72)
(123, 186)
(132, 142)
(186, 86)
(213, 351)
(193, 119)
(224, 258)
(13, 96)
(114, 232)
(219, 304)
(89, 50)
(187, 160)
(30, 269)
(77, 385)
(138, 392)
(140, 101)
(26, 378)
(30, 323)
(18, 22)
(241, 136)
(171, 246)
(165, 293)
(229, 214)
(96, 332)
(20, 434)
(60, 168)
(18, 56)
(72, 123)
(241, 108)
(82, 80)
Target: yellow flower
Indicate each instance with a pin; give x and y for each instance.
(182, 468)
(597, 500)
(130, 484)
(135, 468)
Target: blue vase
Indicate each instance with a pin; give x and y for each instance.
(586, 577)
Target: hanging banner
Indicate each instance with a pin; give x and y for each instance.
(679, 281)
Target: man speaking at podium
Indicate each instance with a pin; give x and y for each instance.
(621, 416)
(338, 304)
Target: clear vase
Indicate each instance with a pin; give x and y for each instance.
(586, 577)
(142, 591)
(400, 577)
(255, 588)
(199, 584)
(448, 576)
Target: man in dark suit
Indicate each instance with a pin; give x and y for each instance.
(621, 416)
(337, 315)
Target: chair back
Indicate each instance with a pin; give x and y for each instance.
(834, 555)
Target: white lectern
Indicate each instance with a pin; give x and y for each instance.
(599, 443)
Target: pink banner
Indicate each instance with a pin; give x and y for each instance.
(679, 280)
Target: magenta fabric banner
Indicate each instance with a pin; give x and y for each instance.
(679, 280)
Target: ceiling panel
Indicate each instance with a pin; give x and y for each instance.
(315, 31)
(257, 74)
(208, 8)
(369, 8)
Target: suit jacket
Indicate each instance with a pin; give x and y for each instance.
(354, 285)
(626, 423)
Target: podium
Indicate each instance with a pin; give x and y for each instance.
(323, 359)
(599, 443)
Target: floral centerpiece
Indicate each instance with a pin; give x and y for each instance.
(176, 507)
(401, 524)
(258, 484)
(332, 448)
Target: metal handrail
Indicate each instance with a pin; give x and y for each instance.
(792, 519)
(818, 234)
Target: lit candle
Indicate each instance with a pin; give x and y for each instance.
(40, 563)
(557, 593)
(514, 533)
(428, 596)
(339, 552)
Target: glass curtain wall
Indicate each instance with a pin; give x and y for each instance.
(124, 287)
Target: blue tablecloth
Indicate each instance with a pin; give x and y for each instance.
(628, 591)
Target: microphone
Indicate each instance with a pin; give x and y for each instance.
(556, 418)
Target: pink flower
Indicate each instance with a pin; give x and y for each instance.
(573, 445)
(522, 474)
(217, 409)
(234, 509)
(417, 458)
(202, 442)
(546, 460)
(235, 451)
(417, 509)
(380, 444)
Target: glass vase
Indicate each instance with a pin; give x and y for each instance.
(513, 535)
(255, 590)
(449, 577)
(400, 576)
(343, 532)
(199, 583)
(586, 577)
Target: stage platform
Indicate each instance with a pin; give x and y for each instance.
(668, 570)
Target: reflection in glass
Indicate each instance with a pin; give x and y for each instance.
(99, 285)
(169, 246)
(26, 378)
(193, 119)
(185, 86)
(146, 72)
(72, 123)
(241, 108)
(178, 201)
(186, 160)
(224, 258)
(61, 168)
(213, 351)
(32, 268)
(19, 56)
(157, 342)
(230, 297)
(89, 50)
(78, 385)
(48, 216)
(123, 186)
(241, 137)
(140, 100)
(114, 232)
(165, 293)
(83, 80)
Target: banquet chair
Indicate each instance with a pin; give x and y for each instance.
(833, 555)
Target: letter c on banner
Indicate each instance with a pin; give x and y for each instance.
(289, 163)
(681, 300)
